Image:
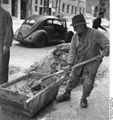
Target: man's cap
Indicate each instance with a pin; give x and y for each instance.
(78, 19)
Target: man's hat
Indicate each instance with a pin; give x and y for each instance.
(78, 19)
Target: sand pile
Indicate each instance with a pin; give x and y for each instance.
(54, 62)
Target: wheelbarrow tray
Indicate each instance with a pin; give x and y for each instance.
(22, 104)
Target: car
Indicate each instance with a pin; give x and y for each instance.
(41, 29)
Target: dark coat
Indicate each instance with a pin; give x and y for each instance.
(6, 37)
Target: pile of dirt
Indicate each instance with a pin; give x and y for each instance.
(13, 69)
(54, 62)
(57, 60)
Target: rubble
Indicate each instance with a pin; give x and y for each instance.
(54, 62)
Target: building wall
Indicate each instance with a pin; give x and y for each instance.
(74, 6)
(90, 6)
(37, 7)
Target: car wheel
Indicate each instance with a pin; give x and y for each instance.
(69, 36)
(41, 41)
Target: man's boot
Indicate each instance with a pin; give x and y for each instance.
(64, 97)
(83, 102)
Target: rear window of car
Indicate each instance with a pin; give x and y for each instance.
(30, 22)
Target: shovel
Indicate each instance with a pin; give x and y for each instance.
(37, 85)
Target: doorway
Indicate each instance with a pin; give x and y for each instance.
(23, 9)
(14, 8)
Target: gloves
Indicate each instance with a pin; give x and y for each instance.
(99, 57)
(68, 67)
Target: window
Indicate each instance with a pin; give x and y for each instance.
(6, 1)
(36, 8)
(53, 4)
(41, 2)
(83, 10)
(56, 22)
(75, 10)
(36, 5)
(36, 1)
(67, 8)
(40, 10)
(72, 9)
(49, 21)
(29, 22)
(63, 7)
(80, 10)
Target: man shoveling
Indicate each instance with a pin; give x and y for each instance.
(86, 43)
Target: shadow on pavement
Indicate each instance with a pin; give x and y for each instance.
(32, 46)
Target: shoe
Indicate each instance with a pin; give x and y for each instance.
(83, 103)
(64, 97)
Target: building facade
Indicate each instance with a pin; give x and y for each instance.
(95, 6)
(17, 8)
(24, 8)
(71, 7)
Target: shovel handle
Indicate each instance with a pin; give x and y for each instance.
(62, 71)
(87, 61)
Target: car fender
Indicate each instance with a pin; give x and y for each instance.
(35, 35)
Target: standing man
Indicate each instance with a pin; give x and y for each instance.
(86, 43)
(97, 22)
(6, 37)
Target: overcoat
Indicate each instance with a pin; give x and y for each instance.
(6, 37)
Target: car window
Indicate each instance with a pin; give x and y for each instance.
(30, 22)
(49, 21)
(57, 22)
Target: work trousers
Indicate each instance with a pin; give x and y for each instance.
(4, 68)
(87, 80)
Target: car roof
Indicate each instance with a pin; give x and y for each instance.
(40, 18)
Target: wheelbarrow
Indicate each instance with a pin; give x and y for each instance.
(30, 105)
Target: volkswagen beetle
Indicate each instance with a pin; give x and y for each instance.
(41, 29)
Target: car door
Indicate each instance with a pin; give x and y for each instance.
(27, 26)
(58, 29)
(48, 27)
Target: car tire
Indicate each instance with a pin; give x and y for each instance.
(69, 36)
(41, 41)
